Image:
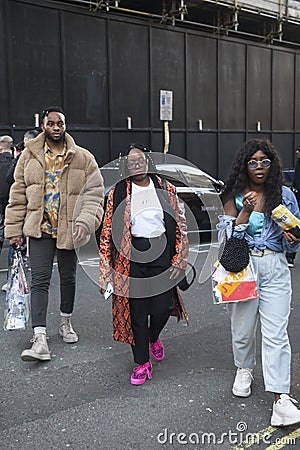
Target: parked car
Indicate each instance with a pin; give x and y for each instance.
(198, 193)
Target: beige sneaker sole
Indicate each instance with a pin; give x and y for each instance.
(29, 355)
(68, 340)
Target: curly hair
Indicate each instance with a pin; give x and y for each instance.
(50, 109)
(238, 178)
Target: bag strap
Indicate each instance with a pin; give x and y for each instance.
(194, 273)
(225, 238)
(232, 227)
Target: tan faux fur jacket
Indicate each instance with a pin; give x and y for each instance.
(81, 193)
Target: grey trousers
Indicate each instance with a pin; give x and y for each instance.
(41, 252)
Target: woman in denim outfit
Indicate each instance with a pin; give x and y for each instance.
(254, 188)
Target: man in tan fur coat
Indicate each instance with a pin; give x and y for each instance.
(56, 201)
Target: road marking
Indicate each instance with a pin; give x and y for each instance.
(94, 261)
(289, 439)
(195, 250)
(91, 262)
(199, 248)
(256, 438)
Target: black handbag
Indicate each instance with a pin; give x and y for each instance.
(185, 284)
(234, 253)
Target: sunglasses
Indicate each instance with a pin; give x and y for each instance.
(253, 164)
(141, 162)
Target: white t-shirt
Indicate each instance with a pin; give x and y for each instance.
(147, 216)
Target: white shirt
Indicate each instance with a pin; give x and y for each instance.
(147, 216)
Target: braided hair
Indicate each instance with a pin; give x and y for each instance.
(119, 195)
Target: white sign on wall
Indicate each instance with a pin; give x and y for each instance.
(166, 105)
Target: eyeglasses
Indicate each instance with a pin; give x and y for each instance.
(137, 163)
(253, 164)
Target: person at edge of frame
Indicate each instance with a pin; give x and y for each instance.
(6, 158)
(18, 148)
(295, 187)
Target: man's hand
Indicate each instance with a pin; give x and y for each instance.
(17, 241)
(79, 233)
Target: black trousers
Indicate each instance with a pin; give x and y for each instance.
(291, 255)
(150, 304)
(42, 253)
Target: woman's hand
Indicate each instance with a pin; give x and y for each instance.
(175, 272)
(102, 290)
(249, 201)
(290, 238)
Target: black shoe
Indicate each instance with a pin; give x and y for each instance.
(290, 261)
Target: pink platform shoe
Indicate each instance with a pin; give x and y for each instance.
(141, 373)
(157, 350)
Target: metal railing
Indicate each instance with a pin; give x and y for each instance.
(284, 9)
(279, 12)
(288, 10)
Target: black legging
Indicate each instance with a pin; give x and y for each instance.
(157, 306)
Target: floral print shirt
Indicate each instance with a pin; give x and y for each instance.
(53, 167)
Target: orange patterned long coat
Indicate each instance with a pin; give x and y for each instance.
(118, 273)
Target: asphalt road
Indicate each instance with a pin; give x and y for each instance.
(82, 398)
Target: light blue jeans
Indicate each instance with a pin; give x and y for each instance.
(272, 308)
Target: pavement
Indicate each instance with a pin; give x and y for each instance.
(82, 398)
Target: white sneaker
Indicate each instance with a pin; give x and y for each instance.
(285, 412)
(242, 383)
(39, 350)
(4, 287)
(67, 332)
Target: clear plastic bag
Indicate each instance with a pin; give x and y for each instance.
(17, 303)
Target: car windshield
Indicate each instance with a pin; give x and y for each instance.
(181, 175)
(185, 176)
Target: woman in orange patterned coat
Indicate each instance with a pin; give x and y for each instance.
(143, 254)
